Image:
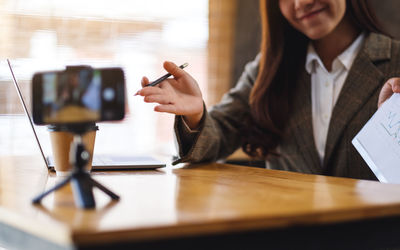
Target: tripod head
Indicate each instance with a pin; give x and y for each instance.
(79, 156)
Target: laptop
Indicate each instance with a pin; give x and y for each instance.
(99, 162)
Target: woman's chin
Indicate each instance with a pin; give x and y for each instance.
(317, 34)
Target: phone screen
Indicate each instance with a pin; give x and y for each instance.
(78, 96)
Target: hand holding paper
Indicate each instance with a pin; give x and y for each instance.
(378, 142)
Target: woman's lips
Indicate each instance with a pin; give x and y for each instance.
(311, 14)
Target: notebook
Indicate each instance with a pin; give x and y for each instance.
(99, 162)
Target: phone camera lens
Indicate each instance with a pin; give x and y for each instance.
(108, 94)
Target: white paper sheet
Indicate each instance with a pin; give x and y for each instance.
(378, 142)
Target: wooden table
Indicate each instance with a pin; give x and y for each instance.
(196, 206)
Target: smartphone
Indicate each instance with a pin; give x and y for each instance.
(78, 95)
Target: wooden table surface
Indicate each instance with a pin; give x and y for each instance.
(183, 201)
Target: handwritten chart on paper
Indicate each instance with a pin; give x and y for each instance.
(378, 142)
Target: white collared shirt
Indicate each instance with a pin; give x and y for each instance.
(326, 86)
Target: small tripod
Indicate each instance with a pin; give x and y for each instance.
(82, 183)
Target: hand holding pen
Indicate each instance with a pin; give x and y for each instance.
(164, 77)
(145, 81)
(179, 95)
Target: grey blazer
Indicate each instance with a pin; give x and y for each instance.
(219, 135)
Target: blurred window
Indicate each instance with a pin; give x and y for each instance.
(137, 35)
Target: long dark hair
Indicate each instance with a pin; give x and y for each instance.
(283, 51)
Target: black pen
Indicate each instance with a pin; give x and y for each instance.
(164, 77)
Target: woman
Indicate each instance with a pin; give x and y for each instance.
(298, 105)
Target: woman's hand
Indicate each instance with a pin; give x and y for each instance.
(390, 87)
(180, 95)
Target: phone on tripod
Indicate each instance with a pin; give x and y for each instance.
(75, 99)
(78, 94)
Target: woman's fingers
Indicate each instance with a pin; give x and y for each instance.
(168, 108)
(390, 87)
(150, 91)
(173, 69)
(145, 81)
(161, 99)
(395, 82)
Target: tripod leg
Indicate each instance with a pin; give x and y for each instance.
(38, 198)
(83, 192)
(104, 189)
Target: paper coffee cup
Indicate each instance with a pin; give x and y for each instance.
(61, 140)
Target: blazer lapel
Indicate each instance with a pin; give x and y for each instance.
(362, 81)
(301, 124)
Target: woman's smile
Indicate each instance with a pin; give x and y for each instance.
(314, 18)
(311, 14)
